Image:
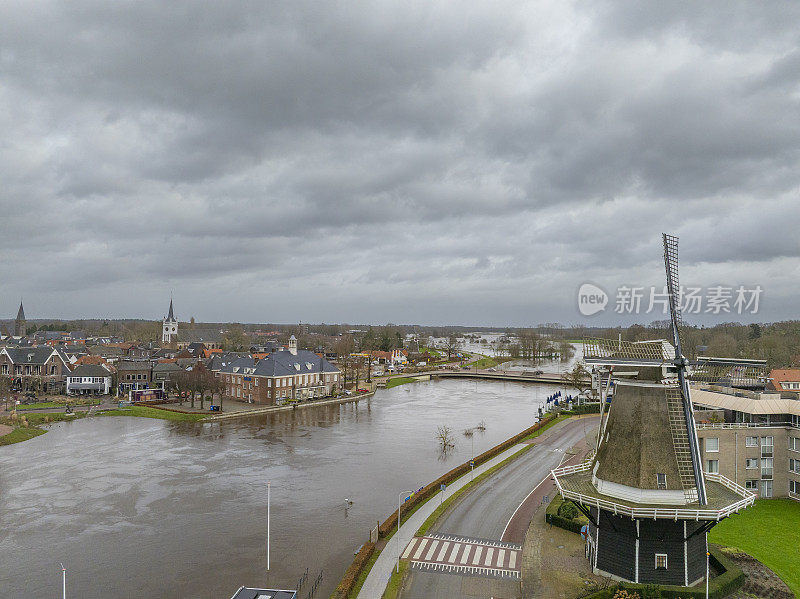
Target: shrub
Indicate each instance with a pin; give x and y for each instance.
(568, 510)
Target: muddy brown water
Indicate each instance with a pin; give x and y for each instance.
(136, 507)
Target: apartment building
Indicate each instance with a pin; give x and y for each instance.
(282, 376)
(754, 440)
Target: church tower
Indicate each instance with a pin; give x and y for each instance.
(19, 324)
(169, 327)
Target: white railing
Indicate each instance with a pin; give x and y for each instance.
(665, 513)
(730, 425)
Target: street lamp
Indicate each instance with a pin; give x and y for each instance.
(63, 582)
(399, 499)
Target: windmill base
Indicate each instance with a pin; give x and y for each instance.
(647, 550)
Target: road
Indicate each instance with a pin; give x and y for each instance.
(485, 511)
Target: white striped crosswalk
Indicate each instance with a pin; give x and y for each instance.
(461, 555)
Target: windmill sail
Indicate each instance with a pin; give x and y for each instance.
(673, 289)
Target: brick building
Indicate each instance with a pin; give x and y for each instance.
(282, 376)
(41, 367)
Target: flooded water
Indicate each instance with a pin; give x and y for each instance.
(136, 507)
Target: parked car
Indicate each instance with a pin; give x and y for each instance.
(363, 390)
(492, 369)
(538, 372)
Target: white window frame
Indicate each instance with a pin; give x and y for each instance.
(747, 442)
(712, 469)
(716, 441)
(664, 557)
(661, 481)
(754, 460)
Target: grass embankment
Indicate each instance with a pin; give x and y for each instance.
(146, 412)
(488, 362)
(21, 434)
(770, 532)
(54, 404)
(400, 380)
(395, 582)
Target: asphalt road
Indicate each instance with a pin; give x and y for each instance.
(486, 509)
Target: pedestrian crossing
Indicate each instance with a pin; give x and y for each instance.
(463, 555)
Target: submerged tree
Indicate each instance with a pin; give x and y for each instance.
(444, 435)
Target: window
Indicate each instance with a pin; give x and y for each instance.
(751, 464)
(794, 465)
(713, 466)
(766, 447)
(751, 485)
(766, 468)
(256, 382)
(794, 487)
(661, 481)
(794, 444)
(661, 561)
(712, 444)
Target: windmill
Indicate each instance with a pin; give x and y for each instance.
(644, 491)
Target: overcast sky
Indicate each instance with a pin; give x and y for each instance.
(427, 162)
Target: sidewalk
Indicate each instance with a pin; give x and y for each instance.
(376, 580)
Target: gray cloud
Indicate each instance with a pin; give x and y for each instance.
(385, 162)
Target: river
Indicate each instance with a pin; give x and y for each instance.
(137, 507)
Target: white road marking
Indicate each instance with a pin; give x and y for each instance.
(443, 551)
(411, 545)
(429, 555)
(476, 559)
(465, 556)
(454, 552)
(420, 548)
(489, 556)
(512, 560)
(501, 557)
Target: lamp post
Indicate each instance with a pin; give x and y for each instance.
(707, 568)
(269, 484)
(399, 499)
(63, 582)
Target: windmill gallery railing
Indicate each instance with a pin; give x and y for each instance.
(652, 512)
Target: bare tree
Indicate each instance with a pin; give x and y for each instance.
(444, 435)
(578, 378)
(451, 345)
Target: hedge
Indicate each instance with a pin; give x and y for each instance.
(345, 586)
(390, 524)
(723, 585)
(551, 517)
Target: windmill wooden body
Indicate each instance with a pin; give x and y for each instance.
(649, 503)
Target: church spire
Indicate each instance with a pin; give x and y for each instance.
(170, 316)
(21, 313)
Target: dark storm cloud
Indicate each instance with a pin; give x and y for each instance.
(431, 162)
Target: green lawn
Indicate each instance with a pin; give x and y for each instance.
(146, 412)
(400, 380)
(396, 581)
(36, 418)
(53, 404)
(488, 362)
(770, 532)
(20, 434)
